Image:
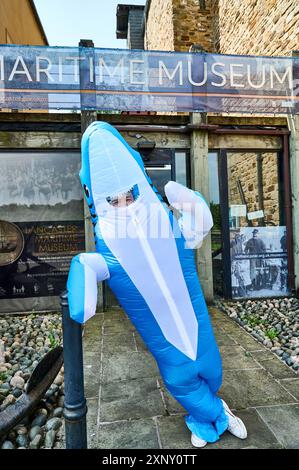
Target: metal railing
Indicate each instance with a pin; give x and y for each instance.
(75, 408)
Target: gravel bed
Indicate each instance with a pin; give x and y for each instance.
(273, 322)
(24, 340)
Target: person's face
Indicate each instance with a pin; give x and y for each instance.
(122, 201)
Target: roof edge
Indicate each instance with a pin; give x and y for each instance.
(36, 15)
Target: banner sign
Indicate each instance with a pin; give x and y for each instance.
(54, 78)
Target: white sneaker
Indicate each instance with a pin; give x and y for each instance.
(235, 424)
(197, 441)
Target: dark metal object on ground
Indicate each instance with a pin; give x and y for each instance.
(39, 382)
(75, 408)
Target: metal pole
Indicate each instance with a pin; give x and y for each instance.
(75, 407)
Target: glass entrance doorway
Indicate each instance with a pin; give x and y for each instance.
(250, 234)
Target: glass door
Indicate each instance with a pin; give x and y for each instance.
(255, 243)
(216, 232)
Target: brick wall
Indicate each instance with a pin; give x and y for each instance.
(257, 27)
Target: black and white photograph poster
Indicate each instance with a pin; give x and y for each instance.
(259, 263)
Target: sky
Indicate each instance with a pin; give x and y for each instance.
(67, 21)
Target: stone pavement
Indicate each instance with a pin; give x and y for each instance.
(129, 407)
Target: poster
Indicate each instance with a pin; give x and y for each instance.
(41, 226)
(259, 264)
(38, 266)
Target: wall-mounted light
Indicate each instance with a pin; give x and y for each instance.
(146, 147)
(146, 144)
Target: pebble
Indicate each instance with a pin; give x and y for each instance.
(21, 430)
(36, 442)
(22, 440)
(53, 424)
(25, 341)
(5, 386)
(59, 380)
(7, 445)
(34, 431)
(258, 317)
(39, 420)
(60, 401)
(9, 400)
(17, 392)
(58, 412)
(49, 439)
(12, 435)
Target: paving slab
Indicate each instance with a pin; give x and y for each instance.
(259, 436)
(244, 339)
(119, 343)
(92, 334)
(292, 385)
(140, 344)
(117, 327)
(278, 369)
(174, 433)
(115, 313)
(223, 339)
(263, 354)
(250, 388)
(92, 384)
(91, 422)
(135, 434)
(172, 406)
(92, 344)
(284, 423)
(131, 400)
(234, 357)
(128, 366)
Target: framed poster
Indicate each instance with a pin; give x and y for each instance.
(259, 263)
(41, 225)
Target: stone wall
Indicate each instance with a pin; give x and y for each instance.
(192, 22)
(159, 26)
(257, 27)
(178, 24)
(243, 168)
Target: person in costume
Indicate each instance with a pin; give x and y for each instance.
(146, 255)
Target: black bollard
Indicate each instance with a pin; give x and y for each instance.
(75, 407)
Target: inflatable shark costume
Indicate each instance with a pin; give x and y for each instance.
(153, 276)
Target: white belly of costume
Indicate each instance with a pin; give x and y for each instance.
(152, 263)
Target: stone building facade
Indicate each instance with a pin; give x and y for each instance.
(257, 27)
